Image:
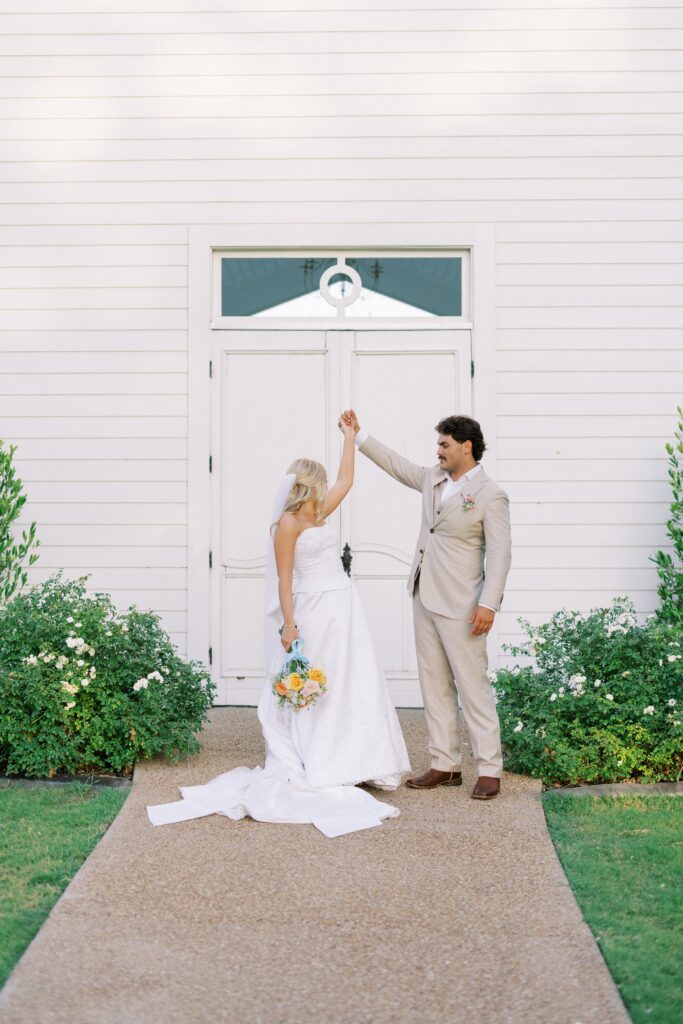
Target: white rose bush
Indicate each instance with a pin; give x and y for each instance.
(87, 688)
(601, 701)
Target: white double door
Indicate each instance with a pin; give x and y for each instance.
(280, 395)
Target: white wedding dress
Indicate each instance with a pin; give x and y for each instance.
(315, 757)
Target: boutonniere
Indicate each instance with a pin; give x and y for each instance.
(467, 502)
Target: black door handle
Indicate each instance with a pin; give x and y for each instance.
(346, 559)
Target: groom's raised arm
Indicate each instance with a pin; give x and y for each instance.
(402, 469)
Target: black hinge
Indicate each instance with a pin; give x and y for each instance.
(210, 559)
(210, 655)
(210, 367)
(210, 463)
(472, 368)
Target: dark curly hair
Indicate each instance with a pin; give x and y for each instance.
(462, 428)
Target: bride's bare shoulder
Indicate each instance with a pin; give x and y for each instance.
(289, 525)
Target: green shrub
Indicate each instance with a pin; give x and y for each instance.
(86, 688)
(13, 554)
(670, 566)
(603, 702)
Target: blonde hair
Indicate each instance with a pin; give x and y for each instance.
(311, 482)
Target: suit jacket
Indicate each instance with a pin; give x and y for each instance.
(453, 540)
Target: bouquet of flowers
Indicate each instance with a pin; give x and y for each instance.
(297, 685)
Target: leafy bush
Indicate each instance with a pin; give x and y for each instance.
(13, 575)
(603, 702)
(86, 688)
(670, 567)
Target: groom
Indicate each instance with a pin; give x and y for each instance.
(465, 515)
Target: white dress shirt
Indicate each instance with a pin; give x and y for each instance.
(450, 487)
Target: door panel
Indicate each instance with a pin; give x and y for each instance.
(274, 408)
(403, 382)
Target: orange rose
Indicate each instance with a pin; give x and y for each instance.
(281, 689)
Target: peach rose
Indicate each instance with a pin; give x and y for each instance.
(281, 689)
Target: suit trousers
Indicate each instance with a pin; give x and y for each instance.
(453, 664)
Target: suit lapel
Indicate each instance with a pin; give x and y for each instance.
(437, 489)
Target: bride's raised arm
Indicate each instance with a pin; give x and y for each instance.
(344, 481)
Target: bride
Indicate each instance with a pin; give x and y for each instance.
(317, 757)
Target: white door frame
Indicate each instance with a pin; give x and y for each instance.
(202, 342)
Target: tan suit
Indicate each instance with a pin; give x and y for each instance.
(448, 579)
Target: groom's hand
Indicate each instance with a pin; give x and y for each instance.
(482, 619)
(350, 419)
(346, 428)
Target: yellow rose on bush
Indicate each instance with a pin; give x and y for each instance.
(295, 681)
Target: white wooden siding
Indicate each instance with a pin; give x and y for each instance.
(559, 126)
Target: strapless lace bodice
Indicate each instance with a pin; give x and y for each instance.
(317, 564)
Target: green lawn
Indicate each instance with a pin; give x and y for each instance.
(623, 857)
(46, 833)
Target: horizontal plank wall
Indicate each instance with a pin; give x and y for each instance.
(123, 125)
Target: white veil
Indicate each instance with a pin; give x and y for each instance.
(272, 612)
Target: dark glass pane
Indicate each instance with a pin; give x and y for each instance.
(392, 286)
(250, 286)
(430, 285)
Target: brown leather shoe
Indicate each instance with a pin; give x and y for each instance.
(486, 788)
(434, 778)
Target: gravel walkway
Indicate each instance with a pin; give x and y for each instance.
(458, 911)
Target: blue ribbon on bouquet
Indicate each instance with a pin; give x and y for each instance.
(295, 654)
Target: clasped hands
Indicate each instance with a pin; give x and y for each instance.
(348, 422)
